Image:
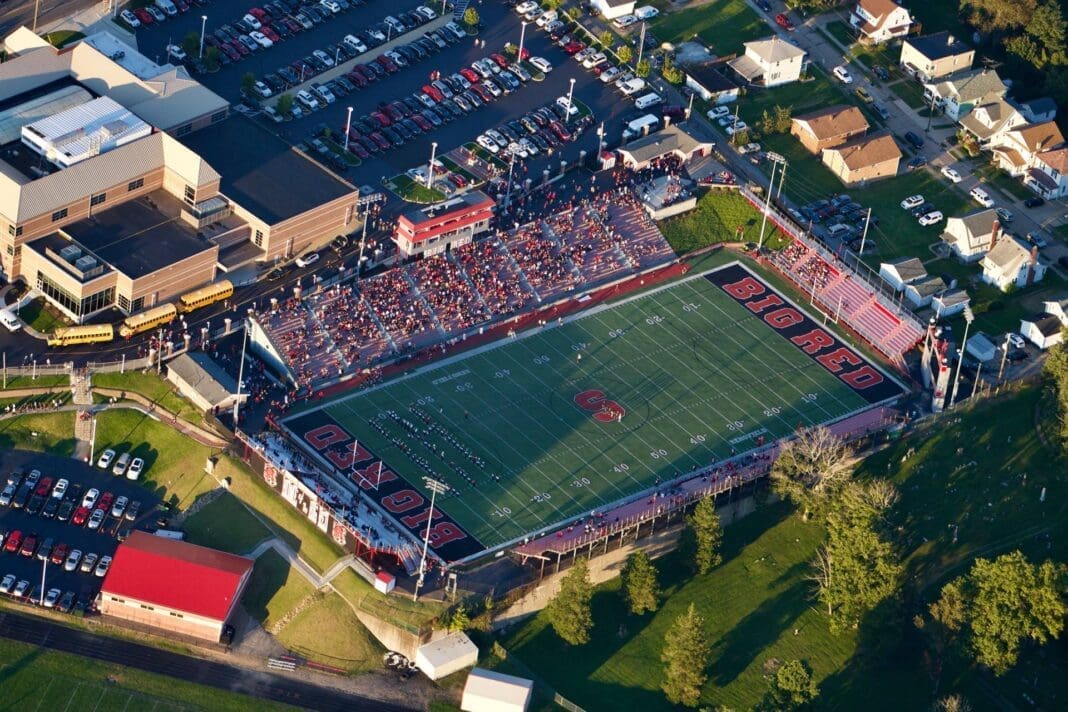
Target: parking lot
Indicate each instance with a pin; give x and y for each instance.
(46, 522)
(501, 25)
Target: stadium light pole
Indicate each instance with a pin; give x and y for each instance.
(348, 127)
(522, 36)
(203, 27)
(240, 372)
(969, 317)
(435, 487)
(775, 160)
(570, 93)
(430, 167)
(508, 192)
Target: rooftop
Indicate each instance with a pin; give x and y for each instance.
(1039, 137)
(908, 268)
(834, 121)
(1048, 324)
(971, 85)
(140, 236)
(474, 198)
(176, 575)
(868, 151)
(938, 45)
(262, 173)
(125, 56)
(84, 130)
(204, 375)
(676, 137)
(774, 49)
(708, 76)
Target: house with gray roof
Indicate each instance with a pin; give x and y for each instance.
(902, 271)
(1012, 262)
(770, 62)
(204, 382)
(971, 236)
(959, 94)
(934, 56)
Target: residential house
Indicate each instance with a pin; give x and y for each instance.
(1049, 176)
(1012, 262)
(971, 236)
(902, 271)
(1042, 330)
(957, 95)
(1058, 308)
(1038, 110)
(920, 293)
(935, 56)
(878, 21)
(1015, 150)
(989, 121)
(770, 62)
(611, 9)
(828, 127)
(709, 83)
(950, 302)
(863, 159)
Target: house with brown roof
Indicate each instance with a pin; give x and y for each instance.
(828, 127)
(1015, 150)
(878, 21)
(863, 159)
(1049, 176)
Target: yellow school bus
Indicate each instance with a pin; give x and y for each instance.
(204, 296)
(147, 320)
(89, 334)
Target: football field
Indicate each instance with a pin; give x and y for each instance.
(569, 418)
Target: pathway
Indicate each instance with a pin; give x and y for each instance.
(287, 553)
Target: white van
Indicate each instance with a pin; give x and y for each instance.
(353, 42)
(650, 99)
(641, 126)
(10, 320)
(167, 7)
(646, 12)
(307, 100)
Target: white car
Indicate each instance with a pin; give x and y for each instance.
(308, 259)
(593, 60)
(497, 136)
(324, 93)
(262, 89)
(426, 12)
(261, 39)
(610, 75)
(563, 103)
(749, 148)
(8, 583)
(118, 510)
(103, 566)
(331, 6)
(90, 498)
(581, 55)
(913, 201)
(631, 86)
(323, 57)
(308, 101)
(60, 489)
(129, 18)
(546, 17)
(51, 597)
(176, 52)
(737, 127)
(952, 174)
(540, 64)
(624, 21)
(1017, 341)
(105, 459)
(96, 518)
(524, 7)
(355, 44)
(136, 468)
(21, 588)
(982, 197)
(842, 74)
(932, 218)
(716, 113)
(487, 143)
(73, 560)
(252, 22)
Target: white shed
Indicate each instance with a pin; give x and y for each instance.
(1042, 330)
(981, 348)
(488, 691)
(445, 656)
(950, 302)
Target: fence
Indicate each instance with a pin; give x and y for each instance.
(498, 650)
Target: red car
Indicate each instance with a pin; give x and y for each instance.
(59, 554)
(106, 500)
(14, 541)
(242, 50)
(458, 180)
(357, 148)
(258, 13)
(292, 25)
(29, 545)
(229, 51)
(182, 6)
(81, 515)
(270, 34)
(382, 141)
(471, 75)
(559, 130)
(422, 123)
(144, 16)
(387, 64)
(433, 92)
(357, 79)
(784, 22)
(400, 108)
(44, 486)
(381, 118)
(484, 95)
(574, 47)
(500, 60)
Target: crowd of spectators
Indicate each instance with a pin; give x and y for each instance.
(449, 293)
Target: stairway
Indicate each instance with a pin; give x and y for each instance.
(81, 388)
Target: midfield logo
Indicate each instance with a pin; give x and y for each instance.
(602, 409)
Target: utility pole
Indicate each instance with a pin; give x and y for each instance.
(641, 45)
(864, 237)
(348, 128)
(435, 487)
(1004, 357)
(430, 168)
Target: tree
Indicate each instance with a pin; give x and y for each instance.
(284, 105)
(471, 17)
(248, 80)
(211, 58)
(811, 468)
(706, 535)
(191, 44)
(1043, 42)
(459, 621)
(990, 16)
(639, 583)
(573, 13)
(643, 68)
(607, 39)
(953, 703)
(625, 54)
(671, 72)
(1011, 601)
(685, 657)
(569, 612)
(791, 687)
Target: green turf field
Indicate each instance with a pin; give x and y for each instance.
(695, 372)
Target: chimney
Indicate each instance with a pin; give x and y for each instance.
(1031, 265)
(950, 40)
(667, 121)
(994, 229)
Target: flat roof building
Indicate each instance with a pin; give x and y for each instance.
(453, 223)
(83, 131)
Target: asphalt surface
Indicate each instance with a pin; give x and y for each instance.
(14, 14)
(101, 541)
(202, 672)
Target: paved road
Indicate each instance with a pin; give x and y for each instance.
(226, 677)
(14, 14)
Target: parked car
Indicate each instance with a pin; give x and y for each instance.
(73, 559)
(864, 95)
(932, 218)
(136, 468)
(952, 174)
(784, 22)
(982, 197)
(88, 563)
(96, 518)
(914, 139)
(121, 463)
(912, 201)
(1034, 202)
(842, 74)
(103, 566)
(1005, 215)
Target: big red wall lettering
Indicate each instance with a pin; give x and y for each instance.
(408, 504)
(804, 333)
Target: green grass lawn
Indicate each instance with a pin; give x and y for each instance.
(329, 632)
(318, 550)
(909, 91)
(41, 432)
(399, 610)
(799, 97)
(42, 316)
(981, 469)
(997, 312)
(414, 192)
(841, 32)
(688, 350)
(716, 219)
(42, 381)
(990, 173)
(274, 590)
(174, 463)
(33, 678)
(156, 389)
(724, 26)
(227, 525)
(62, 38)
